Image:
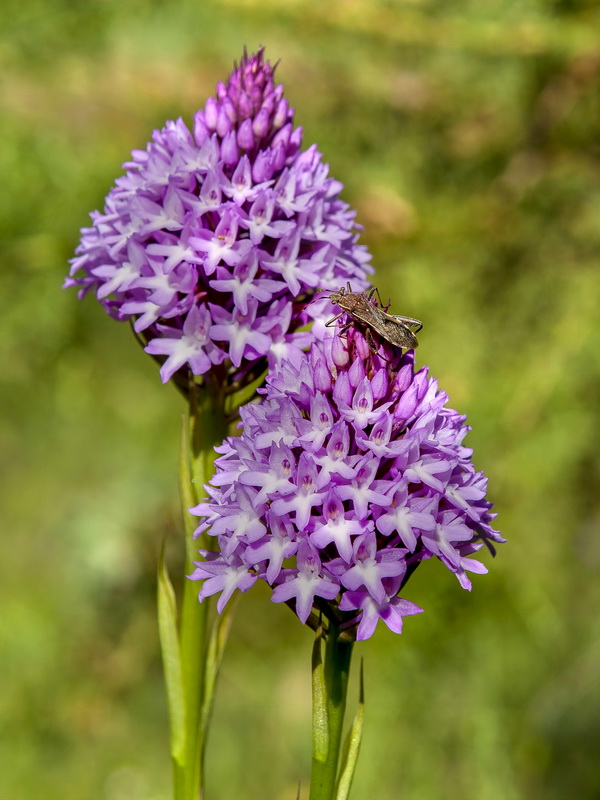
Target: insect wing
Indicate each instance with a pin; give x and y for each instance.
(397, 333)
(364, 311)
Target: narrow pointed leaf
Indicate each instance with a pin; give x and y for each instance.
(352, 745)
(169, 645)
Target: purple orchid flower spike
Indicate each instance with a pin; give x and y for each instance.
(356, 469)
(215, 239)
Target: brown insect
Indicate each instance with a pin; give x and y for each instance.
(373, 316)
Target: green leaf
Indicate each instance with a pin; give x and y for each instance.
(320, 726)
(169, 645)
(352, 745)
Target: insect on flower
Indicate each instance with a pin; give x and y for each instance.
(373, 316)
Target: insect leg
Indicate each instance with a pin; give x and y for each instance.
(384, 307)
(413, 323)
(407, 322)
(372, 345)
(370, 340)
(341, 328)
(333, 319)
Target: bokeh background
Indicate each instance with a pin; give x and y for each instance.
(467, 135)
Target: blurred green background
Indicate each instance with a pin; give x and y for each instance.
(467, 135)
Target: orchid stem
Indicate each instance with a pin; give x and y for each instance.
(205, 427)
(330, 687)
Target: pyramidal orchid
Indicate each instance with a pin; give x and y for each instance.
(211, 245)
(349, 474)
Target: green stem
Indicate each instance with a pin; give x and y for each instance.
(207, 427)
(330, 687)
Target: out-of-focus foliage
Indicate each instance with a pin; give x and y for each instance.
(468, 138)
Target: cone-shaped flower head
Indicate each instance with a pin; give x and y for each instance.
(214, 238)
(348, 474)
